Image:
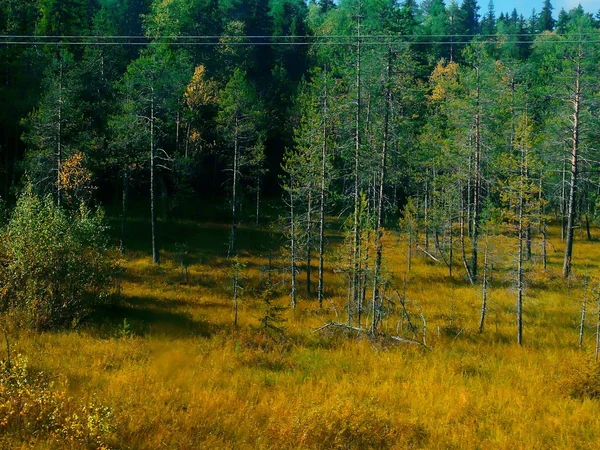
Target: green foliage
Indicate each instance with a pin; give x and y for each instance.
(272, 320)
(125, 330)
(54, 263)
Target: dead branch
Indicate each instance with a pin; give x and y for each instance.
(427, 253)
(371, 335)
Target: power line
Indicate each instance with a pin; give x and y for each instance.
(305, 36)
(346, 43)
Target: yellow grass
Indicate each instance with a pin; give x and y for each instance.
(186, 379)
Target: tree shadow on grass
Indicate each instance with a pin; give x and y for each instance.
(140, 316)
(204, 241)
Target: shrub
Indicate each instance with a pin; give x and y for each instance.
(53, 263)
(31, 406)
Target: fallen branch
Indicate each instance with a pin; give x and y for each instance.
(406, 340)
(403, 340)
(340, 325)
(427, 253)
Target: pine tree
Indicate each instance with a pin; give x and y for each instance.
(57, 128)
(488, 23)
(470, 17)
(546, 21)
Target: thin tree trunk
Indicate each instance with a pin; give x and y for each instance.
(187, 139)
(234, 182)
(322, 200)
(309, 242)
(520, 255)
(293, 247)
(155, 250)
(382, 173)
(543, 228)
(484, 287)
(573, 187)
(357, 140)
(124, 205)
(563, 202)
(583, 311)
(477, 187)
(426, 217)
(587, 227)
(59, 149)
(462, 241)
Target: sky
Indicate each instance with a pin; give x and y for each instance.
(526, 6)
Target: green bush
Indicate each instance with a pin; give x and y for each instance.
(53, 263)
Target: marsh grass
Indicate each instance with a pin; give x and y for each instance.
(183, 377)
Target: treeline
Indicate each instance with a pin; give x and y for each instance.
(455, 121)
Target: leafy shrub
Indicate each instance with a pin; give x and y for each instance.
(32, 406)
(53, 263)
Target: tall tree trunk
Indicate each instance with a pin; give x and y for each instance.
(309, 241)
(322, 199)
(462, 239)
(155, 250)
(563, 202)
(382, 173)
(59, 149)
(543, 226)
(520, 255)
(574, 161)
(583, 312)
(357, 140)
(477, 182)
(234, 182)
(293, 248)
(484, 287)
(426, 216)
(124, 205)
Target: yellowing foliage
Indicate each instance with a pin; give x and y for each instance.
(443, 79)
(75, 179)
(200, 91)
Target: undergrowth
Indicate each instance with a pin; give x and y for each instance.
(34, 408)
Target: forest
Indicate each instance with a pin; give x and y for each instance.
(290, 224)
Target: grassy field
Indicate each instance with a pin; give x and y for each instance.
(176, 374)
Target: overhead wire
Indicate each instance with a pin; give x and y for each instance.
(291, 40)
